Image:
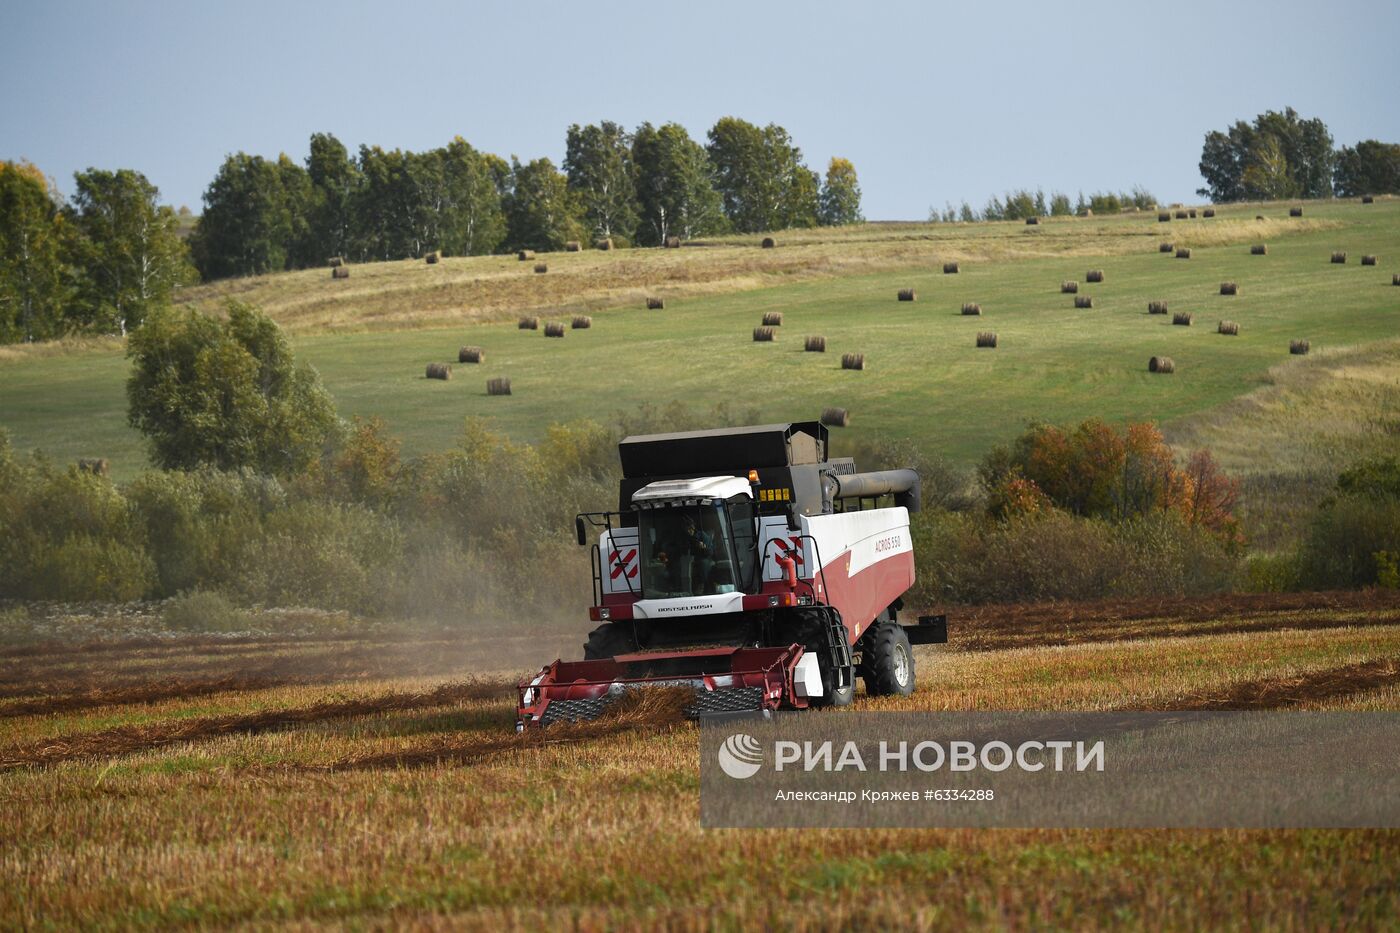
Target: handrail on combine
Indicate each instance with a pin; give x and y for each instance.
(816, 557)
(599, 520)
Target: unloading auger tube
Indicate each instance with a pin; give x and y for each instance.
(749, 567)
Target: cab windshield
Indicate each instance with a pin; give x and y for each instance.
(685, 551)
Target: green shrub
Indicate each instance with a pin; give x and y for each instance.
(202, 611)
(1344, 539)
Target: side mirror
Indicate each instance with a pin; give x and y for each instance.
(580, 530)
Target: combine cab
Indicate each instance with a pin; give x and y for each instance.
(744, 564)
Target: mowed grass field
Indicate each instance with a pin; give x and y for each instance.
(361, 781)
(371, 336)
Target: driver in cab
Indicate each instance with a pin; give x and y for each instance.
(694, 551)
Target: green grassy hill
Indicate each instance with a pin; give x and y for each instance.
(371, 336)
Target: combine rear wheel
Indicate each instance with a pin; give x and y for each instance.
(608, 641)
(887, 662)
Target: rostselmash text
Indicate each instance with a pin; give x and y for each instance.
(1057, 755)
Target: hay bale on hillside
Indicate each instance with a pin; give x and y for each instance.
(98, 466)
(1184, 253)
(768, 242)
(950, 268)
(1166, 247)
(1368, 260)
(431, 258)
(541, 268)
(528, 323)
(1156, 307)
(1164, 217)
(1161, 365)
(763, 335)
(335, 261)
(1295, 212)
(1208, 212)
(439, 371)
(573, 246)
(525, 255)
(1229, 288)
(906, 294)
(471, 355)
(1180, 215)
(1032, 221)
(1339, 258)
(1395, 279)
(815, 345)
(853, 361)
(499, 385)
(1094, 275)
(1182, 319)
(581, 322)
(1083, 301)
(673, 242)
(340, 272)
(1259, 249)
(1367, 199)
(971, 308)
(772, 319)
(1258, 216)
(604, 244)
(1069, 288)
(554, 329)
(986, 338)
(1229, 328)
(655, 304)
(836, 418)
(1298, 347)
(1191, 213)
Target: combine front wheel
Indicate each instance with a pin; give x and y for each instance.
(608, 641)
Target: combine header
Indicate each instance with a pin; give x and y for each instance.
(744, 564)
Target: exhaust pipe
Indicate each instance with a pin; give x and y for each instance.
(902, 484)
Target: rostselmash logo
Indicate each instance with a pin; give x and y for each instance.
(740, 756)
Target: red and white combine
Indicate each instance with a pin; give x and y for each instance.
(745, 564)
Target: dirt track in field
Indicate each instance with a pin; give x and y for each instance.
(1280, 692)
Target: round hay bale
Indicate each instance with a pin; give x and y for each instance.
(431, 259)
(525, 254)
(1182, 319)
(655, 304)
(528, 323)
(98, 466)
(604, 244)
(554, 329)
(1368, 260)
(853, 361)
(1164, 217)
(1156, 307)
(439, 371)
(768, 242)
(1258, 216)
(673, 242)
(1295, 212)
(1166, 247)
(1298, 347)
(971, 308)
(335, 261)
(471, 355)
(836, 418)
(1208, 212)
(1191, 213)
(1259, 249)
(906, 294)
(950, 268)
(340, 272)
(573, 246)
(815, 345)
(986, 338)
(581, 322)
(1395, 279)
(1093, 275)
(763, 335)
(498, 385)
(541, 268)
(772, 319)
(1180, 215)
(1032, 221)
(1184, 253)
(1367, 199)
(1161, 365)
(1069, 288)
(1339, 258)
(1083, 301)
(1229, 328)
(1229, 288)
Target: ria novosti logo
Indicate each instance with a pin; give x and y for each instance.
(740, 756)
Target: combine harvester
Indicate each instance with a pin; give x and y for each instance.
(746, 565)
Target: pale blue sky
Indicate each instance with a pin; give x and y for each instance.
(932, 102)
